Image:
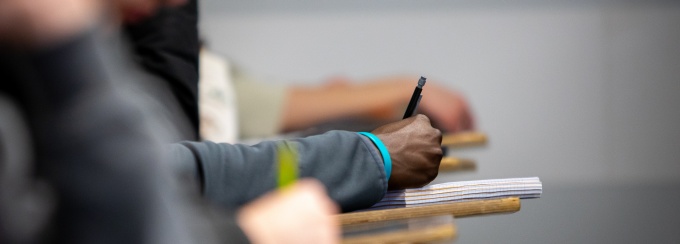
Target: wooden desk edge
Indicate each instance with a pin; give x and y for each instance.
(457, 209)
(438, 233)
(456, 164)
(464, 139)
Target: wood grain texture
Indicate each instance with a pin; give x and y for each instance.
(456, 164)
(464, 139)
(430, 234)
(457, 209)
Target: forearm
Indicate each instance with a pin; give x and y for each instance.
(305, 106)
(346, 163)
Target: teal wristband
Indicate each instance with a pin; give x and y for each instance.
(383, 151)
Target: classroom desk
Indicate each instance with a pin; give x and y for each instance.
(464, 139)
(452, 164)
(457, 209)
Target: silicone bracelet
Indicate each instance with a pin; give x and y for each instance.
(383, 152)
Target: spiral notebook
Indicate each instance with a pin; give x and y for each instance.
(523, 188)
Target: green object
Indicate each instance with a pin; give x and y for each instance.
(288, 164)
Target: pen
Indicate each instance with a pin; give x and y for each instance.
(415, 98)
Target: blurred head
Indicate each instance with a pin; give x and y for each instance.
(136, 10)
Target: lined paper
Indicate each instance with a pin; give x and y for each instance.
(524, 188)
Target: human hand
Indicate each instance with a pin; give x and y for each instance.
(302, 213)
(448, 109)
(415, 149)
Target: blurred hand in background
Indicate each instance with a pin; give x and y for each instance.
(382, 99)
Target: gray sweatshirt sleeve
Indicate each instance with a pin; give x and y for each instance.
(347, 163)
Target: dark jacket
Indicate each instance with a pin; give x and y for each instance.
(96, 145)
(166, 45)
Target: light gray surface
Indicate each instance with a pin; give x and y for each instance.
(574, 92)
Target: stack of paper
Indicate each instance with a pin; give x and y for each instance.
(462, 191)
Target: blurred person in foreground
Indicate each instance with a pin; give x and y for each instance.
(82, 160)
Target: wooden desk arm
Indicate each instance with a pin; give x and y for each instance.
(457, 209)
(464, 139)
(456, 164)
